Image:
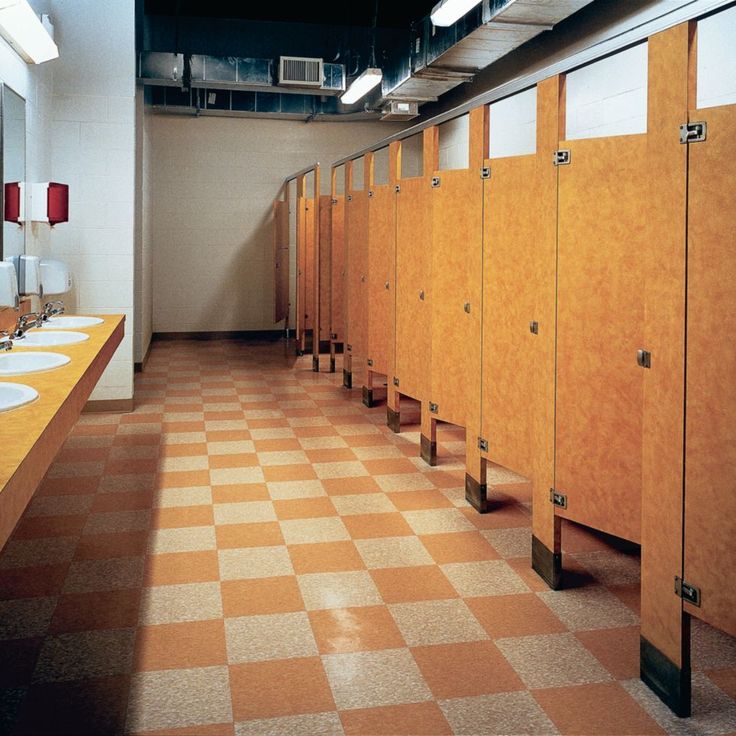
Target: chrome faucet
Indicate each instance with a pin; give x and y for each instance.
(51, 309)
(25, 322)
(6, 344)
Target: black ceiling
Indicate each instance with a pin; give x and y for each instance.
(391, 13)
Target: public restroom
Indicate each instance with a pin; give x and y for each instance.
(365, 367)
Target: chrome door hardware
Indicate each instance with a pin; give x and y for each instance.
(396, 382)
(350, 197)
(482, 444)
(485, 172)
(433, 408)
(370, 193)
(370, 362)
(534, 328)
(421, 295)
(397, 188)
(693, 132)
(687, 592)
(436, 181)
(558, 499)
(561, 157)
(643, 358)
(466, 307)
(387, 285)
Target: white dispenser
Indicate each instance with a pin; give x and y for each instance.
(56, 278)
(28, 269)
(8, 286)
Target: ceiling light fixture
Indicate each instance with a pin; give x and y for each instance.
(24, 31)
(361, 86)
(446, 12)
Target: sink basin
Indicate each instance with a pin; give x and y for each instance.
(13, 395)
(69, 321)
(47, 339)
(15, 364)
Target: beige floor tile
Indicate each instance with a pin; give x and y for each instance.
(456, 496)
(437, 521)
(323, 443)
(185, 539)
(391, 551)
(243, 447)
(174, 497)
(111, 522)
(247, 512)
(373, 679)
(168, 604)
(35, 552)
(338, 590)
(229, 476)
(436, 622)
(488, 577)
(164, 700)
(309, 724)
(552, 660)
(214, 425)
(352, 430)
(254, 562)
(515, 542)
(363, 503)
(404, 482)
(498, 476)
(273, 433)
(185, 462)
(26, 617)
(286, 457)
(274, 636)
(183, 438)
(712, 649)
(312, 531)
(593, 607)
(86, 654)
(340, 470)
(86, 576)
(380, 452)
(285, 490)
(501, 713)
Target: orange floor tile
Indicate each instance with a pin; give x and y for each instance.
(252, 551)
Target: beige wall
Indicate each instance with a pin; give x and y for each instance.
(213, 184)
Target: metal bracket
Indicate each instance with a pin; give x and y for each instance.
(396, 382)
(333, 201)
(687, 592)
(370, 362)
(349, 348)
(561, 157)
(466, 307)
(333, 335)
(433, 408)
(350, 197)
(643, 358)
(558, 499)
(693, 132)
(436, 181)
(482, 444)
(485, 172)
(421, 295)
(362, 279)
(397, 188)
(534, 327)
(387, 285)
(370, 193)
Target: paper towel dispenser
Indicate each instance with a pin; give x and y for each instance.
(50, 202)
(28, 270)
(56, 278)
(9, 296)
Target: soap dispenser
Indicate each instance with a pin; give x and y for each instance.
(56, 278)
(8, 286)
(28, 269)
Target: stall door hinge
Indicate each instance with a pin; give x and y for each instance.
(482, 444)
(370, 193)
(485, 172)
(397, 188)
(557, 498)
(561, 157)
(433, 408)
(693, 132)
(333, 201)
(534, 327)
(687, 592)
(370, 362)
(436, 181)
(396, 382)
(643, 358)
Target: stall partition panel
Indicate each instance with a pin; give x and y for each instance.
(337, 268)
(520, 241)
(413, 293)
(602, 236)
(281, 260)
(325, 237)
(309, 264)
(710, 425)
(301, 268)
(356, 283)
(457, 256)
(381, 276)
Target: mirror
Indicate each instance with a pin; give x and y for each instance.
(13, 111)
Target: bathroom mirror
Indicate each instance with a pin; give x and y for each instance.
(13, 112)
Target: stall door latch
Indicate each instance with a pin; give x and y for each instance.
(687, 592)
(433, 408)
(436, 181)
(482, 444)
(561, 157)
(370, 362)
(534, 327)
(693, 132)
(643, 358)
(485, 172)
(557, 498)
(396, 382)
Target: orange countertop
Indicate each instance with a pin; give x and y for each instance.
(32, 435)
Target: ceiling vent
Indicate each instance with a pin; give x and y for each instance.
(300, 71)
(398, 110)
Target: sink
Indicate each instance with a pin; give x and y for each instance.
(13, 395)
(69, 321)
(15, 364)
(47, 339)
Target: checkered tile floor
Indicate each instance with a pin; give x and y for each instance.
(253, 552)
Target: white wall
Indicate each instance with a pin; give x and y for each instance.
(512, 125)
(213, 185)
(608, 97)
(454, 143)
(93, 150)
(716, 78)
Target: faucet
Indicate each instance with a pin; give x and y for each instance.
(51, 309)
(6, 344)
(25, 322)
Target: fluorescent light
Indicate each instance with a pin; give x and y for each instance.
(446, 12)
(23, 30)
(360, 87)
